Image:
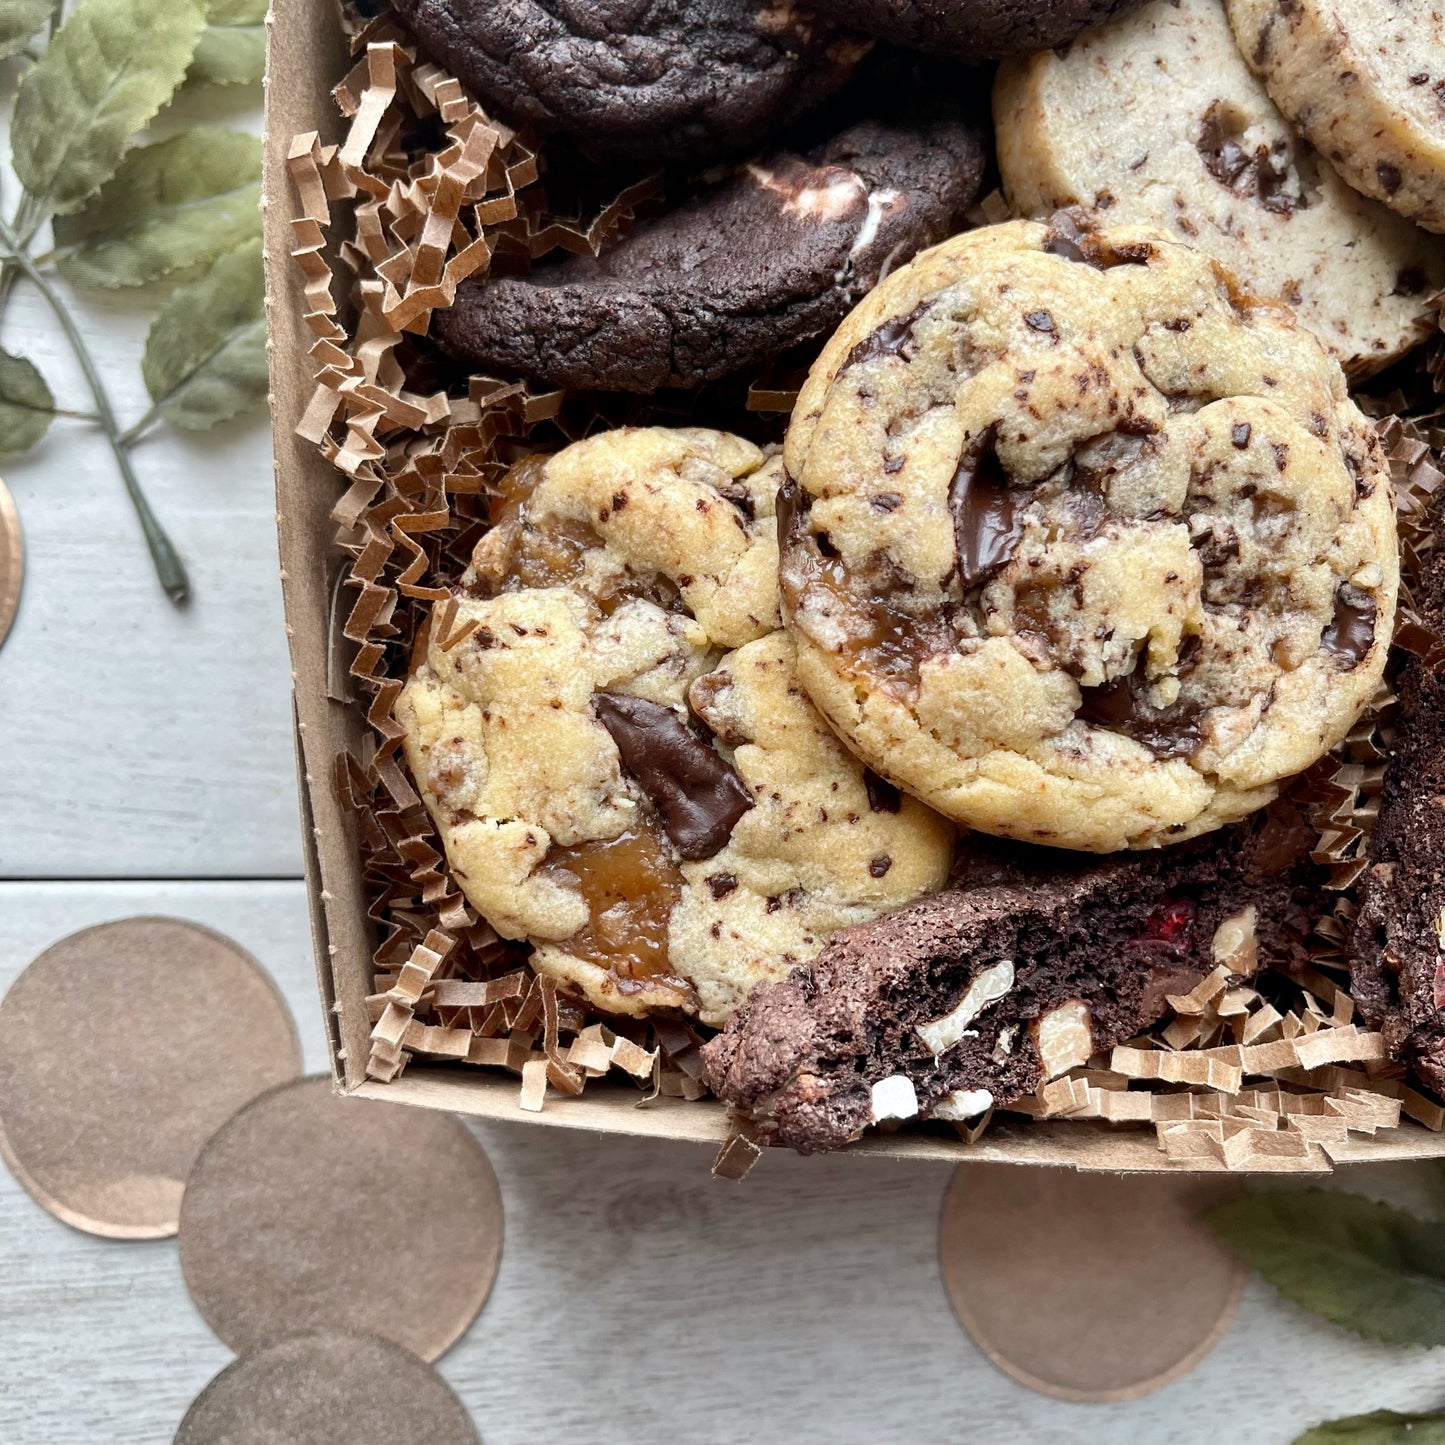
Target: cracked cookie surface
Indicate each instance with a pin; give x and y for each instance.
(613, 745)
(977, 29)
(1156, 119)
(1080, 545)
(1364, 80)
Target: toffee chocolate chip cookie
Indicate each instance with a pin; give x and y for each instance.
(1157, 120)
(688, 80)
(976, 996)
(1079, 545)
(1397, 970)
(777, 256)
(615, 750)
(976, 29)
(1364, 80)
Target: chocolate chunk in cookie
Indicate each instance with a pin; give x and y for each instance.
(668, 80)
(776, 256)
(613, 745)
(1397, 972)
(976, 996)
(1137, 563)
(1364, 81)
(977, 29)
(1157, 120)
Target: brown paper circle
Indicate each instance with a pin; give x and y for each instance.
(12, 561)
(327, 1389)
(123, 1048)
(309, 1211)
(1089, 1287)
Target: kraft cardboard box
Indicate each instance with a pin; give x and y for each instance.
(307, 56)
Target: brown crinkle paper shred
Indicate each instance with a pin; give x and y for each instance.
(426, 190)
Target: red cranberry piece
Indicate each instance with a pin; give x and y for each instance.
(1171, 924)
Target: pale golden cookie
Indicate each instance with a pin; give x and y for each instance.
(1080, 546)
(626, 595)
(1365, 81)
(1156, 120)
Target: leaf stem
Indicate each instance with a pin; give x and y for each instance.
(132, 434)
(169, 568)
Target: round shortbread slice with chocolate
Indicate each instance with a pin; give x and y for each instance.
(614, 747)
(1156, 119)
(1364, 80)
(1080, 545)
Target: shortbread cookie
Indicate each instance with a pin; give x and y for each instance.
(686, 80)
(1364, 80)
(1157, 120)
(777, 256)
(613, 746)
(976, 29)
(976, 996)
(1397, 972)
(1080, 545)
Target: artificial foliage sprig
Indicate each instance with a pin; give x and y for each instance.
(182, 212)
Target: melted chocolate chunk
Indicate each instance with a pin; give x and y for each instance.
(888, 340)
(1068, 232)
(697, 795)
(986, 524)
(1241, 434)
(1251, 174)
(883, 797)
(1120, 706)
(788, 510)
(1352, 633)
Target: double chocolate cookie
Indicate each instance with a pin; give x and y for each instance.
(614, 748)
(976, 996)
(776, 256)
(1364, 80)
(1398, 965)
(976, 29)
(1157, 120)
(687, 80)
(1080, 545)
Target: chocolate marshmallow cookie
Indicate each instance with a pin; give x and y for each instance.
(1157, 120)
(778, 255)
(976, 29)
(1364, 80)
(978, 995)
(615, 751)
(1080, 545)
(686, 80)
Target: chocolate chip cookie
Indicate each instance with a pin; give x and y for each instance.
(978, 995)
(1080, 544)
(776, 256)
(976, 29)
(612, 743)
(684, 80)
(1364, 80)
(1157, 120)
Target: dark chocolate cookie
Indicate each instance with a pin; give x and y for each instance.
(690, 80)
(977, 29)
(776, 256)
(1397, 972)
(975, 996)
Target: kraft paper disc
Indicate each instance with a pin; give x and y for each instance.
(123, 1048)
(327, 1389)
(12, 561)
(1089, 1287)
(313, 1212)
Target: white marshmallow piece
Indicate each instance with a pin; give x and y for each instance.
(963, 1104)
(894, 1098)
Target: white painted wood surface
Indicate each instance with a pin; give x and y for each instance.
(638, 1300)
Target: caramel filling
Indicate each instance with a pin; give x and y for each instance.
(631, 884)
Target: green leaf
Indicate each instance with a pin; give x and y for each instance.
(1368, 1267)
(1383, 1427)
(180, 203)
(106, 73)
(205, 357)
(26, 405)
(19, 20)
(232, 48)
